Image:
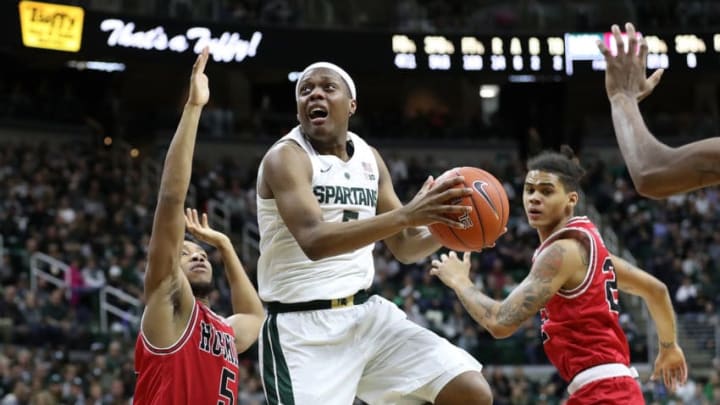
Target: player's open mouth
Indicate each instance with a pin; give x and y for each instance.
(317, 115)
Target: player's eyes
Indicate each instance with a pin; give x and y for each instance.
(545, 191)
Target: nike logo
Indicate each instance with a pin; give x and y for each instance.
(325, 170)
(479, 186)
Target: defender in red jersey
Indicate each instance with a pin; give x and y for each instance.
(574, 283)
(185, 353)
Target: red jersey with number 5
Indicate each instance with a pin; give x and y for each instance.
(200, 368)
(580, 327)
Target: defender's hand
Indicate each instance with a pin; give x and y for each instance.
(201, 229)
(625, 72)
(671, 366)
(199, 89)
(452, 271)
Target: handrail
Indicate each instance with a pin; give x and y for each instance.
(36, 271)
(219, 216)
(250, 239)
(106, 307)
(38, 262)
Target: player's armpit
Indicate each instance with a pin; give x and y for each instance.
(552, 268)
(635, 281)
(167, 311)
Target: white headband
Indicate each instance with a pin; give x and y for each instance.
(335, 68)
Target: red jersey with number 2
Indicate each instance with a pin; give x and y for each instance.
(201, 368)
(580, 327)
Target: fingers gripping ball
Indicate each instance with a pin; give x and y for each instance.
(489, 215)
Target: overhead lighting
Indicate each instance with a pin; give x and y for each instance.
(294, 76)
(522, 78)
(489, 90)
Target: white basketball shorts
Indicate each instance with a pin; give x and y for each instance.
(372, 351)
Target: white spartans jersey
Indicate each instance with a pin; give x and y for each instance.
(346, 191)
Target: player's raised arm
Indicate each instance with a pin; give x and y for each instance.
(553, 268)
(164, 286)
(670, 363)
(169, 222)
(286, 172)
(657, 170)
(248, 312)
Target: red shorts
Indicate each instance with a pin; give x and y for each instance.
(610, 391)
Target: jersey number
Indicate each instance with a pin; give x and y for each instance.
(611, 289)
(226, 394)
(349, 215)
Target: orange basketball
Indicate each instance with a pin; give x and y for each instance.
(489, 215)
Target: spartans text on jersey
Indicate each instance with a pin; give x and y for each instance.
(345, 195)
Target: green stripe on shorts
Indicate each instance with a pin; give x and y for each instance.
(276, 376)
(283, 373)
(268, 371)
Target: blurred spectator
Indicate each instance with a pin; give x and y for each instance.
(686, 296)
(10, 314)
(56, 317)
(19, 395)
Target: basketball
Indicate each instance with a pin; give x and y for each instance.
(489, 215)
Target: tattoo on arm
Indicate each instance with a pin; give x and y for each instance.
(524, 302)
(478, 305)
(666, 345)
(535, 291)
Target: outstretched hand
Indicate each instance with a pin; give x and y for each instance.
(435, 200)
(625, 72)
(671, 366)
(451, 270)
(199, 89)
(200, 229)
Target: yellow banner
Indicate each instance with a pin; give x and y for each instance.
(51, 26)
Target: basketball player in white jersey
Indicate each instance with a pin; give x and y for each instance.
(324, 198)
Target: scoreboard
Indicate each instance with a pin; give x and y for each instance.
(474, 53)
(563, 54)
(35, 29)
